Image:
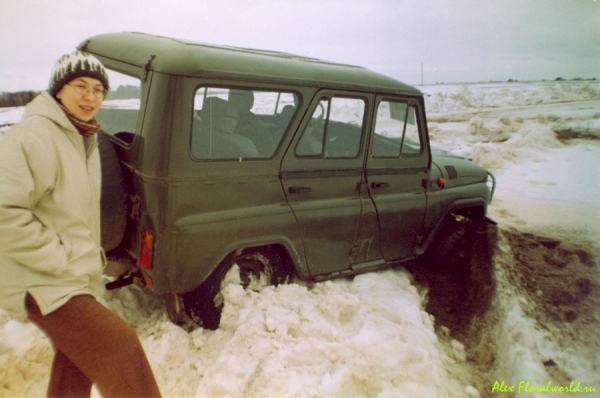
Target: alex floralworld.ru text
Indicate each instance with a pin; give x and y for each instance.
(525, 386)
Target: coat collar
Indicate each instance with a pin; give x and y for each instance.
(45, 105)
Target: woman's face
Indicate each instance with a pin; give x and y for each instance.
(82, 97)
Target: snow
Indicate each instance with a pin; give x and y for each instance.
(371, 335)
(9, 116)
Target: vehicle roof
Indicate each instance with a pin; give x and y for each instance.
(180, 57)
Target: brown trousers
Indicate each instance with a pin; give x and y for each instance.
(93, 346)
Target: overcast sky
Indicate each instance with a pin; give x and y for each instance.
(455, 40)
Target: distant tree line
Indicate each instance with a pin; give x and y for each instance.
(20, 98)
(125, 92)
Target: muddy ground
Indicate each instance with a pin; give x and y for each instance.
(558, 279)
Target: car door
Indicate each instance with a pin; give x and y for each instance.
(322, 174)
(397, 165)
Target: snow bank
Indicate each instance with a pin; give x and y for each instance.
(452, 98)
(341, 338)
(25, 359)
(368, 337)
(9, 116)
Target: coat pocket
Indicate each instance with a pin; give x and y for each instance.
(103, 258)
(66, 243)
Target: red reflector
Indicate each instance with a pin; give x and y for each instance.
(148, 281)
(146, 250)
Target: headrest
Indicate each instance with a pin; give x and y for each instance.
(243, 100)
(218, 115)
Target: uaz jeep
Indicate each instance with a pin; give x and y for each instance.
(225, 163)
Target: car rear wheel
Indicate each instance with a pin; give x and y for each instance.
(253, 269)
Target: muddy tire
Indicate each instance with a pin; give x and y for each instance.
(448, 250)
(460, 290)
(253, 269)
(114, 199)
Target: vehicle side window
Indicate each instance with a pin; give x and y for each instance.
(119, 112)
(233, 124)
(396, 130)
(335, 129)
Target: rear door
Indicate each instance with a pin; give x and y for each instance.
(397, 166)
(323, 177)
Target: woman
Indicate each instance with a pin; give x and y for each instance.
(50, 256)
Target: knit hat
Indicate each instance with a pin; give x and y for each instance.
(74, 65)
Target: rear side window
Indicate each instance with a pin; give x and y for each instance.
(396, 130)
(234, 124)
(119, 112)
(334, 130)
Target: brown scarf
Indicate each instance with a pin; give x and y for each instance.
(86, 129)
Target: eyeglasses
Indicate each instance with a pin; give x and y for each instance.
(83, 90)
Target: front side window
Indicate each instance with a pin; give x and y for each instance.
(396, 130)
(233, 124)
(334, 130)
(119, 112)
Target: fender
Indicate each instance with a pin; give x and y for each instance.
(292, 248)
(479, 205)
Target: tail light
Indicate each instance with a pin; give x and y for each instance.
(146, 250)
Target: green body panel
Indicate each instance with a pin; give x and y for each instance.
(331, 216)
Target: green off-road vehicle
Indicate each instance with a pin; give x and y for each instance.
(230, 164)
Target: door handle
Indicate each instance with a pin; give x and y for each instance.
(299, 189)
(376, 185)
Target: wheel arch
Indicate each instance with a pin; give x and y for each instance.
(202, 305)
(474, 209)
(284, 247)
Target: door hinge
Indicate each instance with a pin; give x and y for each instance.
(147, 66)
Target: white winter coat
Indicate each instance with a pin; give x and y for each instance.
(49, 210)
